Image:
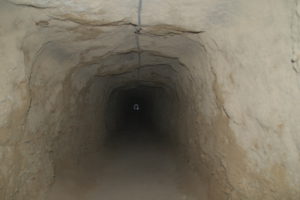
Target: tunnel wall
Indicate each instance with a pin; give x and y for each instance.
(237, 86)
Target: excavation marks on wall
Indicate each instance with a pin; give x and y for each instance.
(77, 52)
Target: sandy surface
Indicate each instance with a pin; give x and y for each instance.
(132, 167)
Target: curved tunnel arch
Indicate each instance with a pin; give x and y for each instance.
(94, 81)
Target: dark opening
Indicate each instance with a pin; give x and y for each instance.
(134, 108)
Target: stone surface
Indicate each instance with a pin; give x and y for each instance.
(232, 66)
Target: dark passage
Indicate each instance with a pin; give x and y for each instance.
(135, 108)
(137, 160)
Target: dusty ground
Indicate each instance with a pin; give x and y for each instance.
(134, 166)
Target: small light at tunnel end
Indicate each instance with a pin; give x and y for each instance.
(136, 107)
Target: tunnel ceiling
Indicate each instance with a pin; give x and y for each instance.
(90, 49)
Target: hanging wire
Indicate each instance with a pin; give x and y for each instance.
(137, 35)
(139, 14)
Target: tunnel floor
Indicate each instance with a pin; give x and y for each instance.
(133, 165)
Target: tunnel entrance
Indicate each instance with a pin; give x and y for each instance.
(137, 156)
(126, 121)
(137, 122)
(136, 161)
(116, 116)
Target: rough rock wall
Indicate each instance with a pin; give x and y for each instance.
(237, 84)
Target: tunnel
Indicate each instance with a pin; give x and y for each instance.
(136, 99)
(127, 105)
(136, 107)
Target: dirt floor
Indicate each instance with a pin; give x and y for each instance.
(134, 166)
